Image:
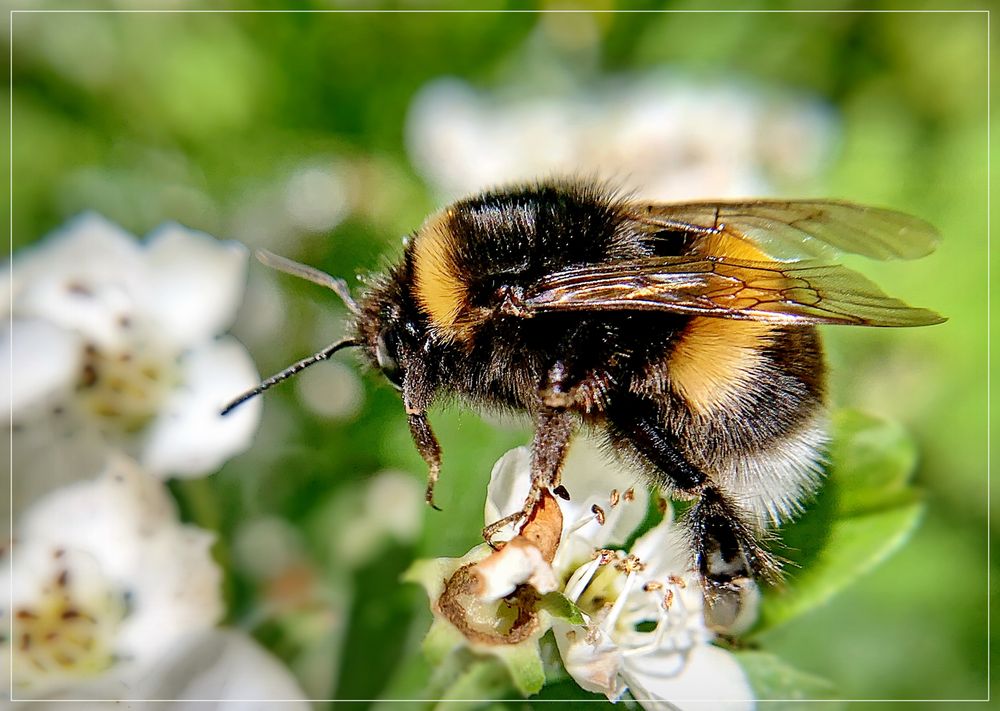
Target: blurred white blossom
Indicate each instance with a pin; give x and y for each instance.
(114, 598)
(105, 580)
(227, 666)
(115, 346)
(316, 197)
(333, 391)
(638, 619)
(667, 137)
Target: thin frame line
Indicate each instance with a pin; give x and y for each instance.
(10, 622)
(534, 12)
(547, 11)
(989, 166)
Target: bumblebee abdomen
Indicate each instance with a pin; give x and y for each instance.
(762, 432)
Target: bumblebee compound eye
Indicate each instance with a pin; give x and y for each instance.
(386, 355)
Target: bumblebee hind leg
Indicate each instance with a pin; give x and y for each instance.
(725, 540)
(727, 545)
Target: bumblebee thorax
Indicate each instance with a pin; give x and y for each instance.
(439, 287)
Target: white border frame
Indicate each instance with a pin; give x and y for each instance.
(529, 700)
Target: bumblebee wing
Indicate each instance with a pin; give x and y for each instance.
(799, 229)
(800, 293)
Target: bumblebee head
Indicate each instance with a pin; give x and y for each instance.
(388, 330)
(387, 327)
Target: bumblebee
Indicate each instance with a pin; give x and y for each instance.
(685, 334)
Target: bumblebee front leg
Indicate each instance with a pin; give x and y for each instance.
(553, 432)
(430, 451)
(554, 427)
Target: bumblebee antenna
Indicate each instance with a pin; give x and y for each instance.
(337, 286)
(289, 372)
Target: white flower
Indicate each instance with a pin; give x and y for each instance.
(669, 137)
(643, 613)
(105, 581)
(115, 346)
(217, 669)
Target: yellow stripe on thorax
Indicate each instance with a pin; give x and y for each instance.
(438, 287)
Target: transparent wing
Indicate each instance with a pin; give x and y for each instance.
(800, 229)
(801, 293)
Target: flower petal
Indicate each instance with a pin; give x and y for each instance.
(189, 437)
(176, 592)
(196, 282)
(664, 549)
(516, 563)
(45, 358)
(127, 521)
(593, 664)
(510, 481)
(87, 277)
(706, 677)
(226, 665)
(590, 477)
(118, 534)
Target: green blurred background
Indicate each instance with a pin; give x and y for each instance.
(209, 120)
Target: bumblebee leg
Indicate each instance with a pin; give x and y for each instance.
(726, 544)
(568, 388)
(730, 557)
(429, 449)
(561, 392)
(553, 431)
(727, 547)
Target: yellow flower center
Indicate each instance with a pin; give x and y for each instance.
(61, 637)
(124, 389)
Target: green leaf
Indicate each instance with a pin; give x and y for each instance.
(865, 511)
(479, 681)
(871, 460)
(442, 639)
(772, 678)
(524, 663)
(561, 607)
(854, 546)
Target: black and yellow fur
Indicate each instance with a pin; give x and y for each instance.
(687, 398)
(685, 334)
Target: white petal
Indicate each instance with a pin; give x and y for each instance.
(595, 667)
(94, 514)
(226, 665)
(88, 277)
(88, 245)
(510, 481)
(174, 593)
(190, 437)
(44, 359)
(590, 476)
(707, 678)
(664, 549)
(127, 521)
(119, 533)
(197, 283)
(516, 563)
